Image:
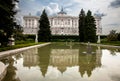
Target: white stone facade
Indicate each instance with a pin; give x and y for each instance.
(62, 24)
(30, 24)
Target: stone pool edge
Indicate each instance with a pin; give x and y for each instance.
(102, 45)
(3, 71)
(3, 67)
(10, 52)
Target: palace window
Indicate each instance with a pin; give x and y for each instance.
(26, 23)
(33, 23)
(68, 21)
(55, 22)
(58, 23)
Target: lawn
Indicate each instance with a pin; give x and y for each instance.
(19, 44)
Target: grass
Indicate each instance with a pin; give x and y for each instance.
(115, 43)
(19, 45)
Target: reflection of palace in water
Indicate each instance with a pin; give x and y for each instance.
(30, 57)
(63, 58)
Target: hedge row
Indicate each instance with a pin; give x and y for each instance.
(56, 38)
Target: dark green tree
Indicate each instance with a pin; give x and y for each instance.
(113, 36)
(44, 33)
(7, 19)
(90, 27)
(118, 37)
(82, 26)
(18, 33)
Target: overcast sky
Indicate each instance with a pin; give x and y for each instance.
(111, 9)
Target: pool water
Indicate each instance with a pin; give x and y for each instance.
(64, 62)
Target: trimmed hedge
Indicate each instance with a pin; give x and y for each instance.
(61, 38)
(103, 36)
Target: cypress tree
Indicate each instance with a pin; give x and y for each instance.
(90, 27)
(44, 33)
(82, 26)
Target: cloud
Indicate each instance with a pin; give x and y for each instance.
(115, 4)
(48, 10)
(73, 7)
(30, 0)
(16, 6)
(52, 8)
(38, 13)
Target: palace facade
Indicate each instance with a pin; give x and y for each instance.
(61, 24)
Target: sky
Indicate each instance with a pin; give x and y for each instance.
(110, 9)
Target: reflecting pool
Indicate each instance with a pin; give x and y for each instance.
(64, 62)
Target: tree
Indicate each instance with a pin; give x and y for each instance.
(118, 37)
(82, 26)
(18, 33)
(112, 36)
(7, 20)
(90, 27)
(44, 33)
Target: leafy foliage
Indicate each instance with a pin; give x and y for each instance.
(7, 20)
(118, 37)
(112, 36)
(44, 33)
(18, 33)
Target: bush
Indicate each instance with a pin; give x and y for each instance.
(59, 38)
(29, 37)
(103, 36)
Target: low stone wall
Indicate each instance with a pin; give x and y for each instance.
(3, 70)
(101, 45)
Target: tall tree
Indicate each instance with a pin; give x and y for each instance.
(82, 26)
(90, 27)
(44, 33)
(7, 19)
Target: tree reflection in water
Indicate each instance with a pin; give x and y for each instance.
(44, 56)
(68, 57)
(89, 61)
(59, 56)
(11, 71)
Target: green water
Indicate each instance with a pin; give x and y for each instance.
(64, 62)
